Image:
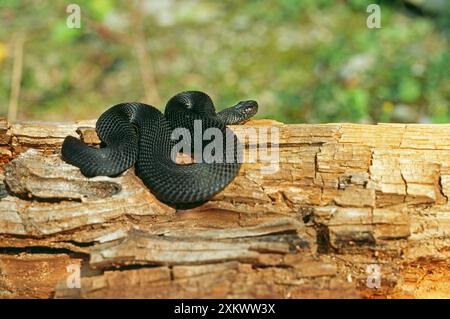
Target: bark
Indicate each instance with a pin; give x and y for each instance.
(345, 200)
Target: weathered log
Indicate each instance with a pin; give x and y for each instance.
(343, 202)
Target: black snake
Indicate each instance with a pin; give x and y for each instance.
(139, 134)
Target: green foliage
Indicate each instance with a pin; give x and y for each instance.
(355, 104)
(409, 90)
(304, 61)
(62, 34)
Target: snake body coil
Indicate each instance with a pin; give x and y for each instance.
(139, 134)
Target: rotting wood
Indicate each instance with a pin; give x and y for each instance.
(345, 196)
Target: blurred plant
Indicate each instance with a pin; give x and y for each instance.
(304, 61)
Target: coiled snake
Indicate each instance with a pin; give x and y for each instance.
(139, 134)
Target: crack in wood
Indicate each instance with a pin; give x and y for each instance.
(345, 196)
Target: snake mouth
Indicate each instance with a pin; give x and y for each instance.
(248, 108)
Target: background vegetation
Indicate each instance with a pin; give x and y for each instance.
(303, 61)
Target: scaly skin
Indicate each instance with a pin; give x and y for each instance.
(139, 134)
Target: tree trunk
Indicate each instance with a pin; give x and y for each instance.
(353, 211)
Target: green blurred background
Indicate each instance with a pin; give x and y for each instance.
(309, 61)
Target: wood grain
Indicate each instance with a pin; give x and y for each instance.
(342, 197)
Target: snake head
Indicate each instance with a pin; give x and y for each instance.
(247, 108)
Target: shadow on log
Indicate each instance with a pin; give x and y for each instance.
(348, 205)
